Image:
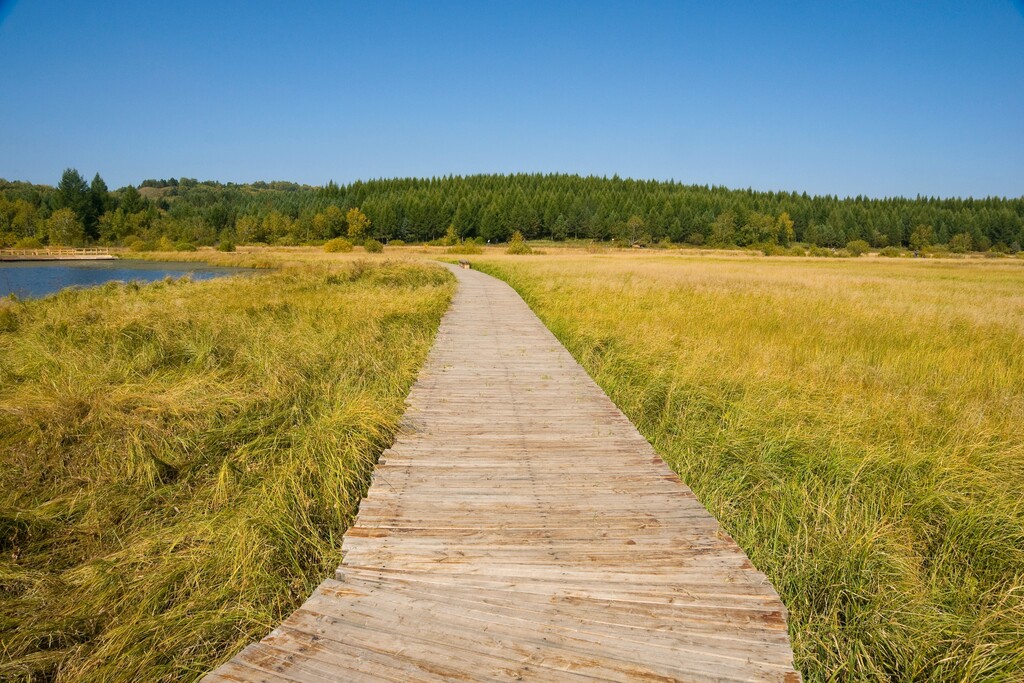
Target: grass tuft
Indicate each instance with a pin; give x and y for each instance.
(179, 461)
(855, 425)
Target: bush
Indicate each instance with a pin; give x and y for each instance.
(226, 245)
(960, 243)
(141, 245)
(518, 245)
(467, 247)
(857, 247)
(696, 239)
(797, 251)
(936, 250)
(184, 246)
(338, 244)
(891, 252)
(770, 249)
(373, 246)
(28, 243)
(396, 243)
(451, 237)
(7, 239)
(165, 244)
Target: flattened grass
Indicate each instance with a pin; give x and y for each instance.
(178, 462)
(856, 426)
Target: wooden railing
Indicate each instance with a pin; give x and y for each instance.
(57, 251)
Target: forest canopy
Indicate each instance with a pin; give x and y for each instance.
(185, 213)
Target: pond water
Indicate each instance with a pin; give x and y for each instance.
(34, 279)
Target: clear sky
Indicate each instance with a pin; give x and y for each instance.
(876, 98)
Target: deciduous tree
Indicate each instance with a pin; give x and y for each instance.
(358, 224)
(65, 229)
(921, 237)
(634, 232)
(723, 230)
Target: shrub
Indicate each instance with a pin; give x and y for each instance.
(518, 245)
(960, 243)
(770, 249)
(226, 245)
(451, 237)
(184, 246)
(165, 244)
(695, 238)
(797, 251)
(396, 243)
(891, 252)
(141, 245)
(467, 247)
(7, 239)
(338, 244)
(373, 246)
(28, 243)
(857, 247)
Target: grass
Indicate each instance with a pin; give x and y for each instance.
(178, 461)
(855, 425)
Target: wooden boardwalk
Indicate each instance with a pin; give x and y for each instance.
(520, 528)
(57, 254)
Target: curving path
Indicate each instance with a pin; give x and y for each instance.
(521, 529)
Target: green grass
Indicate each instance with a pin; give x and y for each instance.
(179, 461)
(855, 425)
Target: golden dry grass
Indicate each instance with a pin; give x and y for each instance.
(855, 424)
(179, 461)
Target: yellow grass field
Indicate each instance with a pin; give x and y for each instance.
(857, 425)
(179, 461)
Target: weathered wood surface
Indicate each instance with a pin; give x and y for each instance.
(520, 528)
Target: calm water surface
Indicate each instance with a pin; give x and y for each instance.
(35, 279)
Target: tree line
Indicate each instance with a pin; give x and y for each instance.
(183, 213)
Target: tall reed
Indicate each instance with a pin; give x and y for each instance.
(856, 426)
(179, 461)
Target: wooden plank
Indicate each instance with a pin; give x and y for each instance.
(521, 528)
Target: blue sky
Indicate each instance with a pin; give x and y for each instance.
(874, 98)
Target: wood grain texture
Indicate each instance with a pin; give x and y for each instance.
(520, 528)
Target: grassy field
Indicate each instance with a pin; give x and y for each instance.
(178, 461)
(856, 425)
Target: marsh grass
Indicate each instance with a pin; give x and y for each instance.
(179, 461)
(855, 425)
